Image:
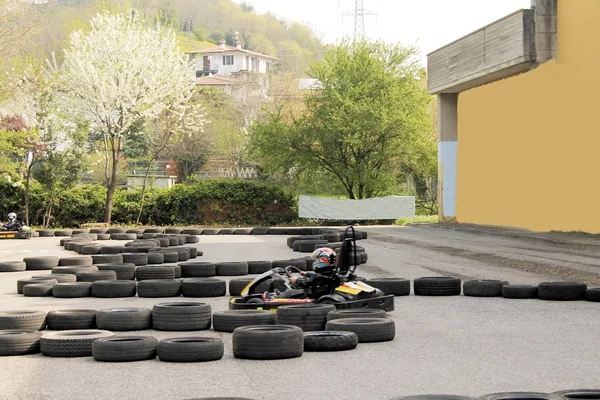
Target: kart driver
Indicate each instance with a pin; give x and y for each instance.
(323, 265)
(12, 222)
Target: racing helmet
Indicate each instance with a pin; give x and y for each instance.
(324, 260)
(12, 216)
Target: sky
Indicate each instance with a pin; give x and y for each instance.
(429, 24)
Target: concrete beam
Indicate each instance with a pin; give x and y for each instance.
(545, 18)
(447, 148)
(499, 50)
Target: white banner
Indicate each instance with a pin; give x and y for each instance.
(389, 207)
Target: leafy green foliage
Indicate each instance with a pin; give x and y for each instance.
(206, 202)
(369, 119)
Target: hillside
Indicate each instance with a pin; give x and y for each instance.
(201, 23)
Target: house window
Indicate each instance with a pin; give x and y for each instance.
(227, 60)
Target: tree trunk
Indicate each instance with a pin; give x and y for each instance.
(27, 180)
(139, 216)
(112, 183)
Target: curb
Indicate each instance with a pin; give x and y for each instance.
(575, 245)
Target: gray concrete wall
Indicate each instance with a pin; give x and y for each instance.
(499, 50)
(545, 18)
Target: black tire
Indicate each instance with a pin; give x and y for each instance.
(103, 236)
(193, 251)
(19, 342)
(89, 250)
(107, 259)
(124, 348)
(232, 268)
(190, 349)
(330, 341)
(170, 256)
(73, 343)
(112, 249)
(65, 320)
(300, 264)
(203, 287)
(309, 317)
(38, 289)
(227, 231)
(40, 263)
(356, 313)
(75, 261)
(259, 267)
(113, 289)
(368, 330)
(63, 233)
(183, 253)
(159, 288)
(592, 294)
(192, 239)
(12, 266)
(268, 342)
(156, 258)
(21, 283)
(181, 316)
(588, 394)
(60, 278)
(124, 319)
(435, 397)
(72, 290)
(22, 320)
(522, 396)
(483, 288)
(175, 231)
(437, 286)
(193, 269)
(260, 230)
(192, 231)
(236, 285)
(45, 232)
(99, 230)
(307, 246)
(73, 270)
(394, 286)
(277, 231)
(117, 230)
(135, 258)
(228, 321)
(562, 291)
(154, 230)
(153, 273)
(123, 271)
(96, 276)
(243, 231)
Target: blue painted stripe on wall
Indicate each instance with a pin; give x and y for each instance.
(447, 158)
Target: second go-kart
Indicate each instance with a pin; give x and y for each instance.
(337, 285)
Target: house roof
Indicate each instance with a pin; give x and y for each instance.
(231, 49)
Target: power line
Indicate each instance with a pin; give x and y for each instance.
(359, 14)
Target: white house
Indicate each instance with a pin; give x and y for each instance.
(227, 60)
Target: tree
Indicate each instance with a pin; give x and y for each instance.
(57, 172)
(120, 73)
(359, 127)
(172, 126)
(195, 139)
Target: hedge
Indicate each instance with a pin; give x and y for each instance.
(205, 202)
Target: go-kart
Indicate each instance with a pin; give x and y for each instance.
(340, 288)
(15, 231)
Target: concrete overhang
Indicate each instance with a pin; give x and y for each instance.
(499, 50)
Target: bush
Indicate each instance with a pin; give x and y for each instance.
(233, 202)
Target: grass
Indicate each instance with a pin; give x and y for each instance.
(417, 219)
(187, 44)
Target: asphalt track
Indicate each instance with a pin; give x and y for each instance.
(453, 345)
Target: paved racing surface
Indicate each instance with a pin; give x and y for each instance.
(453, 345)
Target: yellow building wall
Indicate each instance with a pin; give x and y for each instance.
(529, 146)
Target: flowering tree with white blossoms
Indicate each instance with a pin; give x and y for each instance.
(119, 74)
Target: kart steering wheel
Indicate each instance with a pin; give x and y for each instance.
(289, 270)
